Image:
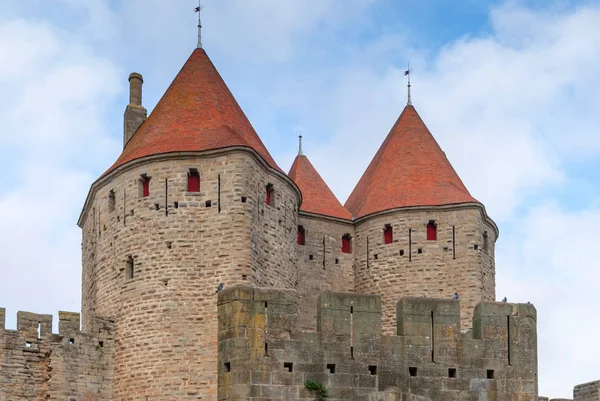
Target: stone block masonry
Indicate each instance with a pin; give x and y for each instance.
(264, 355)
(36, 364)
(587, 391)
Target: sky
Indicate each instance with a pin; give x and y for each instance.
(510, 89)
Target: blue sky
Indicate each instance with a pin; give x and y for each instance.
(509, 90)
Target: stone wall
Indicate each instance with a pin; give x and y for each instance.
(457, 261)
(38, 365)
(587, 391)
(322, 266)
(263, 355)
(181, 246)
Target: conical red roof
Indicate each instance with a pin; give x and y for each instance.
(409, 169)
(316, 195)
(196, 113)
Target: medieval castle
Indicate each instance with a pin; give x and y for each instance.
(211, 274)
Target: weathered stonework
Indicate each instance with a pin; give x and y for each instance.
(459, 260)
(263, 355)
(587, 391)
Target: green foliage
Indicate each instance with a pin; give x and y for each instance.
(318, 387)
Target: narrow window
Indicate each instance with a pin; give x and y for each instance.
(490, 373)
(331, 367)
(111, 200)
(227, 366)
(388, 234)
(337, 261)
(452, 372)
(270, 199)
(401, 252)
(144, 186)
(485, 241)
(129, 272)
(301, 235)
(346, 243)
(193, 180)
(431, 231)
(412, 371)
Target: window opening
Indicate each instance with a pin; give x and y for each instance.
(227, 366)
(346, 243)
(490, 373)
(431, 231)
(452, 372)
(71, 341)
(301, 233)
(420, 250)
(111, 201)
(289, 366)
(207, 203)
(243, 199)
(193, 180)
(388, 234)
(270, 199)
(331, 367)
(373, 369)
(101, 344)
(39, 330)
(412, 371)
(129, 272)
(485, 241)
(401, 252)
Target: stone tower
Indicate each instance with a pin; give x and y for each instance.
(194, 200)
(418, 230)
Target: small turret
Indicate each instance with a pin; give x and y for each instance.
(135, 113)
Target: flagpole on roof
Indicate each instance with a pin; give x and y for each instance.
(199, 24)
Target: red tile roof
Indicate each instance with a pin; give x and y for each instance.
(316, 195)
(409, 169)
(196, 113)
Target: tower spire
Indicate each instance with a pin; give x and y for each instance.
(199, 11)
(300, 145)
(407, 72)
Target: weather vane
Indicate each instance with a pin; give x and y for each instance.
(198, 10)
(407, 73)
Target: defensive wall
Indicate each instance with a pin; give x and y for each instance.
(36, 364)
(264, 355)
(582, 392)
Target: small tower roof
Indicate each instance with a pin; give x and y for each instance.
(316, 195)
(196, 113)
(409, 169)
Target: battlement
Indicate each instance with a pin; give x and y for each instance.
(38, 364)
(262, 353)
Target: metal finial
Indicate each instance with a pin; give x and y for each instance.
(300, 145)
(198, 10)
(407, 72)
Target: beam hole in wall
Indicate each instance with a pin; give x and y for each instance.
(401, 252)
(101, 344)
(445, 249)
(227, 366)
(243, 199)
(289, 366)
(331, 368)
(118, 218)
(156, 206)
(169, 244)
(311, 257)
(375, 256)
(420, 250)
(475, 247)
(132, 212)
(176, 205)
(71, 341)
(244, 277)
(207, 203)
(373, 369)
(490, 373)
(27, 344)
(452, 372)
(337, 261)
(412, 371)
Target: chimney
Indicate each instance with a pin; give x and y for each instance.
(135, 113)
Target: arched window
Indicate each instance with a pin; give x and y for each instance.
(270, 199)
(431, 231)
(193, 182)
(346, 243)
(144, 186)
(388, 234)
(301, 233)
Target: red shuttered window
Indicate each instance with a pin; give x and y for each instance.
(193, 181)
(301, 240)
(346, 244)
(431, 231)
(145, 186)
(270, 196)
(388, 234)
